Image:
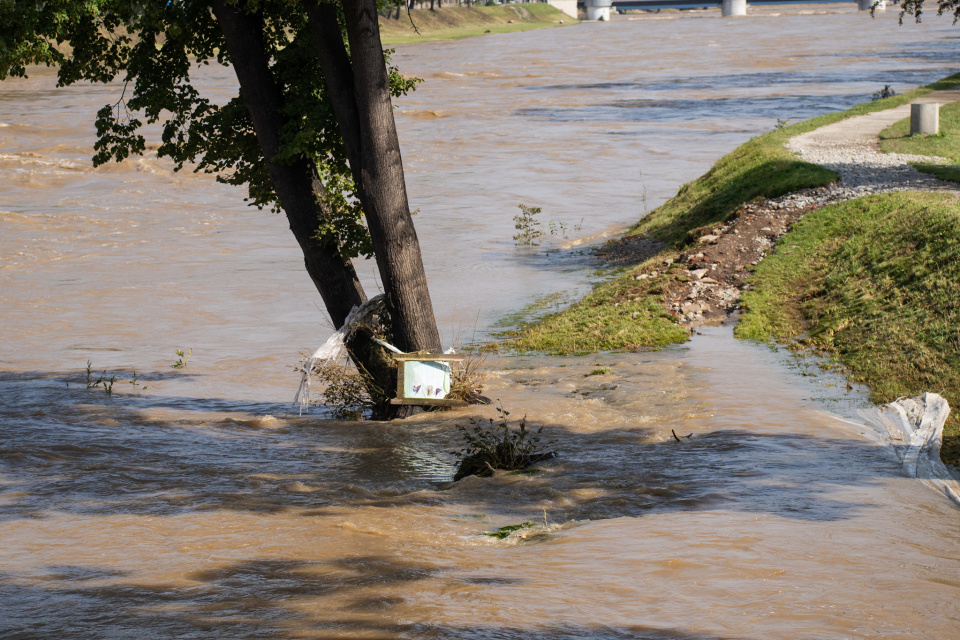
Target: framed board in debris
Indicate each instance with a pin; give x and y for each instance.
(424, 379)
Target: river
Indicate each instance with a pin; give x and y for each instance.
(191, 505)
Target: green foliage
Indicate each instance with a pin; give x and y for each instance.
(504, 532)
(497, 446)
(347, 390)
(529, 227)
(914, 8)
(599, 371)
(101, 381)
(182, 359)
(154, 48)
(876, 283)
(886, 92)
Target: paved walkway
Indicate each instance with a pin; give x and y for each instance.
(851, 148)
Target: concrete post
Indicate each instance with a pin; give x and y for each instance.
(866, 5)
(599, 9)
(734, 8)
(924, 119)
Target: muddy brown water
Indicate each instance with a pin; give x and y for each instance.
(191, 505)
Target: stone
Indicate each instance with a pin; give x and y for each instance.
(698, 273)
(708, 239)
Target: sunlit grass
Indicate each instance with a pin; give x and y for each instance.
(875, 282)
(453, 23)
(623, 314)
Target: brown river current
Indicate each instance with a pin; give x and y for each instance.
(192, 505)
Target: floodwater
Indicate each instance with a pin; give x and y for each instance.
(190, 505)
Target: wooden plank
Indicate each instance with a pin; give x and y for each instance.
(430, 357)
(433, 402)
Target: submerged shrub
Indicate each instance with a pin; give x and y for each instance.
(468, 376)
(886, 92)
(488, 447)
(347, 391)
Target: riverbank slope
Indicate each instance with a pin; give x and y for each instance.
(900, 337)
(453, 23)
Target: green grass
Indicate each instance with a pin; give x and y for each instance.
(949, 172)
(875, 282)
(624, 314)
(453, 23)
(618, 315)
(760, 168)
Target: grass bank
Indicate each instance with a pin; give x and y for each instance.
(875, 283)
(623, 313)
(453, 23)
(946, 144)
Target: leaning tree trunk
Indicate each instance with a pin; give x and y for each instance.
(297, 186)
(360, 92)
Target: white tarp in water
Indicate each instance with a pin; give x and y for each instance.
(914, 427)
(335, 348)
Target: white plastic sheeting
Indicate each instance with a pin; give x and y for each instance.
(914, 427)
(335, 347)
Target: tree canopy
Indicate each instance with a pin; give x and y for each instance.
(914, 8)
(156, 49)
(310, 133)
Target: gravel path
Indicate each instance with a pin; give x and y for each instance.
(719, 262)
(851, 148)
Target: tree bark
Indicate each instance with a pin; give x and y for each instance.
(360, 92)
(296, 184)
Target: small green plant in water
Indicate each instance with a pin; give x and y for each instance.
(599, 372)
(495, 446)
(504, 532)
(886, 92)
(101, 381)
(528, 226)
(182, 358)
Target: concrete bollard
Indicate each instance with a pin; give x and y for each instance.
(734, 8)
(599, 10)
(925, 119)
(867, 5)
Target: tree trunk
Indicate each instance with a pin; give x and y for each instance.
(297, 187)
(360, 93)
(295, 184)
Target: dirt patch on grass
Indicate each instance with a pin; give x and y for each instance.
(702, 283)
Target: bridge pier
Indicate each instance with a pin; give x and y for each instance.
(599, 9)
(866, 5)
(738, 7)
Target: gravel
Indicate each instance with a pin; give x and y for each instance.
(851, 148)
